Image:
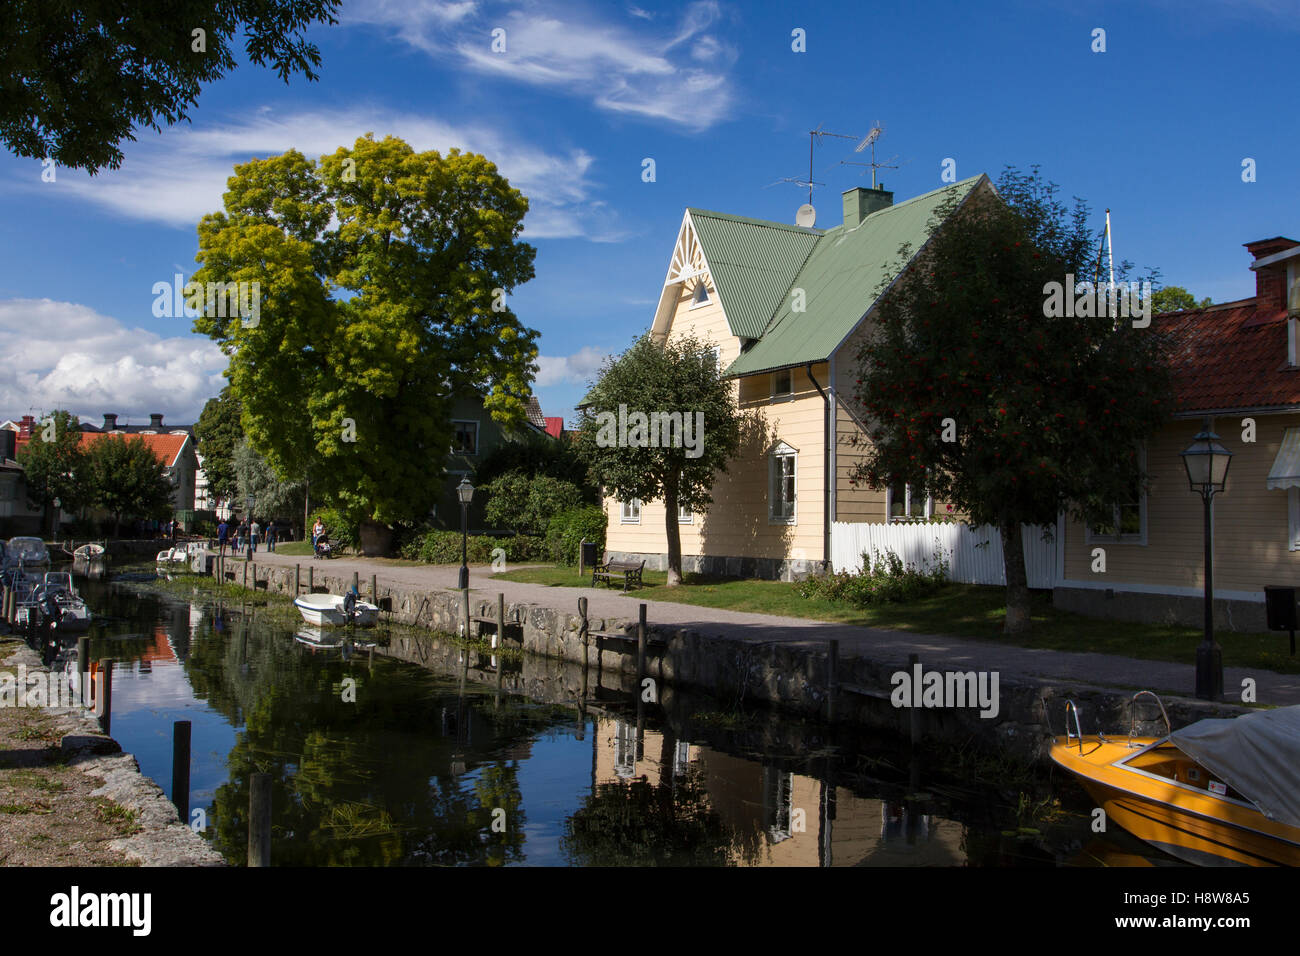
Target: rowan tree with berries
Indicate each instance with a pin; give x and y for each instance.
(970, 389)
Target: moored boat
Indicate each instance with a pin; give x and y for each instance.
(90, 560)
(1217, 792)
(175, 559)
(335, 609)
(27, 553)
(74, 615)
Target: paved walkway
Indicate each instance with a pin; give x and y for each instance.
(935, 651)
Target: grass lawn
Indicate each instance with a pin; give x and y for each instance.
(962, 610)
(297, 548)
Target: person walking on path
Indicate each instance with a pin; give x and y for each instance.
(223, 532)
(270, 535)
(241, 536)
(254, 531)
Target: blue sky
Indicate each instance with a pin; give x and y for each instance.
(1156, 128)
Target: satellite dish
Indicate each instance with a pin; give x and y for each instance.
(806, 216)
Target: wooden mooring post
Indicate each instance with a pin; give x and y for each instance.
(259, 820)
(356, 582)
(105, 702)
(181, 769)
(311, 578)
(374, 589)
(245, 579)
(297, 579)
(466, 619)
(640, 649)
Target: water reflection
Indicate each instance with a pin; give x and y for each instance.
(421, 752)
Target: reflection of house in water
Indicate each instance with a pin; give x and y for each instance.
(779, 817)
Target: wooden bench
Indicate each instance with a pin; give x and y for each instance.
(629, 572)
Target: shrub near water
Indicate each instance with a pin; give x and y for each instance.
(884, 579)
(569, 528)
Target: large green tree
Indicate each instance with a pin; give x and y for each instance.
(128, 479)
(275, 498)
(384, 277)
(219, 433)
(1174, 298)
(54, 465)
(974, 387)
(627, 436)
(77, 78)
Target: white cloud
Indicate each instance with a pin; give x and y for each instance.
(75, 358)
(576, 369)
(179, 176)
(680, 74)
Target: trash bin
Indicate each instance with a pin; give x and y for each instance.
(589, 556)
(1280, 605)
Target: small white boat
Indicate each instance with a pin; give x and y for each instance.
(330, 609)
(26, 552)
(90, 560)
(175, 558)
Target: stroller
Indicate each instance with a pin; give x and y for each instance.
(323, 547)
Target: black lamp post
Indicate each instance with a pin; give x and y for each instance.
(465, 492)
(1207, 472)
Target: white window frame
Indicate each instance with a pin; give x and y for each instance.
(782, 396)
(1141, 537)
(909, 502)
(779, 453)
(684, 514)
(630, 511)
(466, 421)
(696, 301)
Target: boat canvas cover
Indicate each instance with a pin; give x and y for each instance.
(1257, 754)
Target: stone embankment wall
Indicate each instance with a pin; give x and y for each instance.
(789, 675)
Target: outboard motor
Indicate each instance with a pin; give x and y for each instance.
(350, 606)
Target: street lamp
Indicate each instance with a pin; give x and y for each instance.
(465, 492)
(1207, 472)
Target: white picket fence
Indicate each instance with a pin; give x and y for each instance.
(974, 555)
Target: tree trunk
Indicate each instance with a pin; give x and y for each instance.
(376, 539)
(674, 536)
(1013, 560)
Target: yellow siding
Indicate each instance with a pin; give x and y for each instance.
(737, 523)
(1250, 522)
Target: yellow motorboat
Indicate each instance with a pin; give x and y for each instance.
(1219, 792)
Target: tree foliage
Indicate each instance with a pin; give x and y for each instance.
(383, 275)
(1046, 413)
(681, 377)
(219, 433)
(1174, 298)
(128, 479)
(274, 498)
(527, 503)
(56, 468)
(76, 79)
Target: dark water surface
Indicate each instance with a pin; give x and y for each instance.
(429, 764)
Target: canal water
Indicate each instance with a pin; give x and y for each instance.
(381, 761)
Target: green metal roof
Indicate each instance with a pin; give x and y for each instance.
(841, 280)
(752, 263)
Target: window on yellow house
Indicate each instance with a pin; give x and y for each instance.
(1128, 518)
(781, 484)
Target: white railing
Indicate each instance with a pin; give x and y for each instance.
(974, 555)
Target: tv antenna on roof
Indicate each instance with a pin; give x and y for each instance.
(807, 215)
(877, 131)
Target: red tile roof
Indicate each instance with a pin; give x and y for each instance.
(166, 448)
(1230, 357)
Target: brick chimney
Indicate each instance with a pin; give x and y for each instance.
(27, 426)
(860, 203)
(155, 420)
(110, 422)
(1270, 278)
